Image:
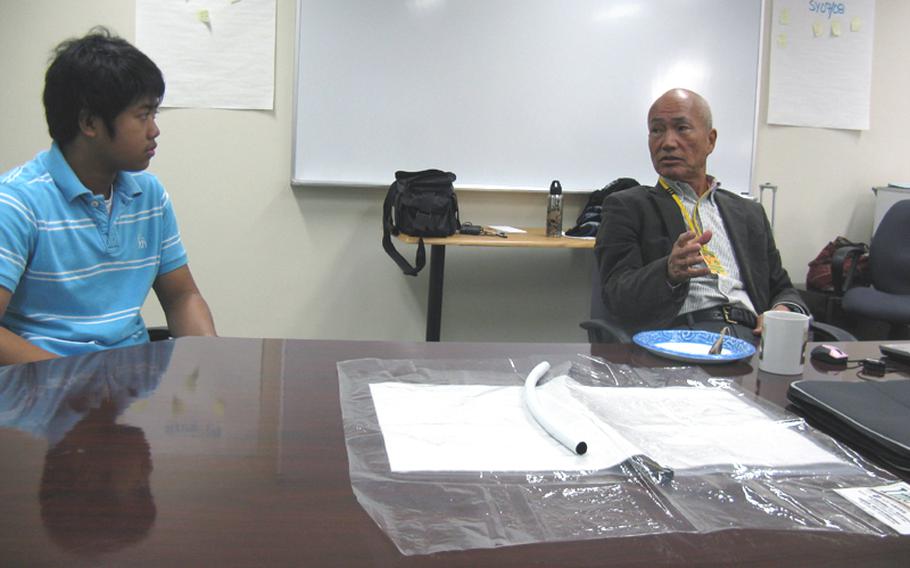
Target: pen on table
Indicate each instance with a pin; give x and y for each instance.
(493, 233)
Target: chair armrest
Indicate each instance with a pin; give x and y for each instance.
(603, 331)
(159, 333)
(828, 332)
(838, 260)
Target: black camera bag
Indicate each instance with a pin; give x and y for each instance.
(419, 204)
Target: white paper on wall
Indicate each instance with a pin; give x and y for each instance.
(213, 53)
(821, 63)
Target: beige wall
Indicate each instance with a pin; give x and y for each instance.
(825, 176)
(280, 262)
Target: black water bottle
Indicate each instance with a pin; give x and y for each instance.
(554, 210)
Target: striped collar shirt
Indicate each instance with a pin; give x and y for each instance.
(714, 289)
(77, 273)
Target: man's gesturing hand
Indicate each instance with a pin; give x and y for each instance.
(685, 260)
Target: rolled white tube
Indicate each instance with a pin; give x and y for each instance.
(566, 438)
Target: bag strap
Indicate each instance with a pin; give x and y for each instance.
(457, 217)
(839, 259)
(389, 229)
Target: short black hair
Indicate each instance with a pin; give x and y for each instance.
(99, 73)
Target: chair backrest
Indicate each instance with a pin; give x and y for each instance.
(601, 327)
(598, 308)
(889, 253)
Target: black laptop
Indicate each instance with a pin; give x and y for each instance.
(871, 416)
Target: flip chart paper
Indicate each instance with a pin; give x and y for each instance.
(213, 53)
(821, 75)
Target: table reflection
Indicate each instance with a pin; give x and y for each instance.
(95, 493)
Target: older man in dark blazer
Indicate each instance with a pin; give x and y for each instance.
(686, 253)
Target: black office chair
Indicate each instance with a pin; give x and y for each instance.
(888, 298)
(602, 328)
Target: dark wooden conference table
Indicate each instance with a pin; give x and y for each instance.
(230, 452)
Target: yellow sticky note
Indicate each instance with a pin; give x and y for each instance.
(835, 28)
(856, 24)
(782, 40)
(192, 380)
(818, 29)
(785, 17)
(177, 406)
(218, 407)
(203, 16)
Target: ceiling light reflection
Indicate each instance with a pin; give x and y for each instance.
(619, 12)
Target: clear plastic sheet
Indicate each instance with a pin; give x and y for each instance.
(426, 512)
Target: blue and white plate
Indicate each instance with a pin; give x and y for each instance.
(692, 346)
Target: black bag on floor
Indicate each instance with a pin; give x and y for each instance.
(419, 204)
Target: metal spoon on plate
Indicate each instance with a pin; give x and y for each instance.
(718, 344)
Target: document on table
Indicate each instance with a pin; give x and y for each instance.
(507, 229)
(487, 428)
(889, 504)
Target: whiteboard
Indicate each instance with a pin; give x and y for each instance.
(511, 94)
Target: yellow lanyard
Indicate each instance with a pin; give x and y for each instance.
(694, 226)
(692, 221)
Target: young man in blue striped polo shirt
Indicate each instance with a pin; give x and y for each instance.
(85, 233)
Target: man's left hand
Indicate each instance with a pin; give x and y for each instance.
(758, 324)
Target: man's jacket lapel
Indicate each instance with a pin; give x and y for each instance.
(669, 213)
(737, 227)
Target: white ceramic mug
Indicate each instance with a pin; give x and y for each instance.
(783, 342)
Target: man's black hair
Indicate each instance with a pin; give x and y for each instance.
(99, 73)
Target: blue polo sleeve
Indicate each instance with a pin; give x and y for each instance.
(18, 227)
(173, 255)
